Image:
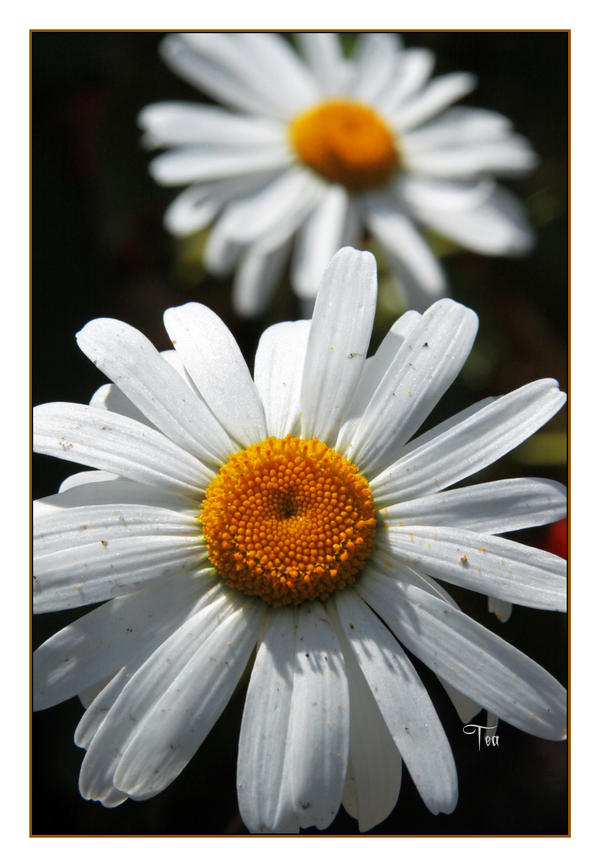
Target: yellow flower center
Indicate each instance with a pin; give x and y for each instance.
(346, 142)
(288, 520)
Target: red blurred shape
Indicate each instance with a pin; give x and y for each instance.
(555, 538)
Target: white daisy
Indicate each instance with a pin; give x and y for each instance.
(316, 150)
(291, 514)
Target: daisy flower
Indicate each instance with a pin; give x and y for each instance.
(292, 521)
(313, 150)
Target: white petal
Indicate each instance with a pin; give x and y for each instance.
(272, 58)
(375, 62)
(458, 125)
(151, 684)
(338, 341)
(90, 553)
(374, 765)
(500, 608)
(256, 279)
(511, 155)
(196, 206)
(95, 488)
(217, 367)
(491, 507)
(215, 63)
(425, 366)
(403, 701)
(323, 232)
(263, 787)
(438, 94)
(188, 706)
(319, 720)
(95, 714)
(470, 657)
(221, 252)
(498, 226)
(278, 374)
(409, 255)
(324, 57)
(261, 215)
(104, 640)
(187, 123)
(112, 398)
(479, 439)
(86, 696)
(418, 192)
(414, 69)
(373, 372)
(111, 442)
(124, 355)
(194, 164)
(485, 563)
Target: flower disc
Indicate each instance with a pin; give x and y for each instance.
(288, 520)
(346, 142)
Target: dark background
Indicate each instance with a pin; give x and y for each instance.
(99, 249)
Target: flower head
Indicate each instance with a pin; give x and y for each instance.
(313, 149)
(294, 515)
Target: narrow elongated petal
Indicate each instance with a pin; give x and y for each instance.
(375, 63)
(438, 94)
(403, 701)
(214, 63)
(321, 235)
(470, 657)
(95, 488)
(414, 68)
(197, 205)
(104, 640)
(128, 358)
(277, 373)
(473, 442)
(263, 783)
(286, 198)
(111, 442)
(421, 194)
(256, 279)
(409, 254)
(485, 563)
(338, 341)
(188, 123)
(498, 226)
(148, 686)
(90, 553)
(172, 730)
(217, 368)
(191, 165)
(271, 59)
(374, 766)
(374, 370)
(111, 397)
(424, 367)
(458, 125)
(324, 57)
(319, 720)
(492, 507)
(510, 155)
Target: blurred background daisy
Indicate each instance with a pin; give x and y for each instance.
(100, 249)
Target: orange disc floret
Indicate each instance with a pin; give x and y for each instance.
(288, 520)
(346, 142)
